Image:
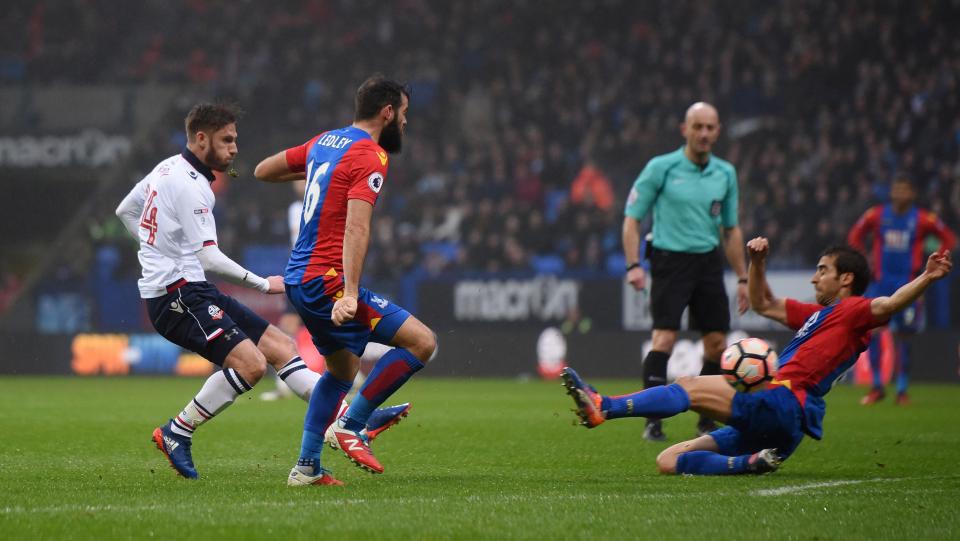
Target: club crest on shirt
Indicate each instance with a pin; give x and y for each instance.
(215, 311)
(809, 323)
(375, 181)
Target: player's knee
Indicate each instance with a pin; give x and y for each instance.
(436, 348)
(277, 346)
(252, 366)
(667, 461)
(426, 347)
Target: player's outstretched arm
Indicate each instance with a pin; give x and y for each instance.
(215, 261)
(276, 169)
(762, 300)
(939, 265)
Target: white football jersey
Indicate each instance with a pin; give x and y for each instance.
(176, 221)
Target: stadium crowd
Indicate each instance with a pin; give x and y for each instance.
(530, 121)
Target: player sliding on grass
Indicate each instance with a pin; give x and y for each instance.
(765, 427)
(171, 212)
(345, 170)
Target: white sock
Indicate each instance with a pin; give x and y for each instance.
(218, 392)
(300, 379)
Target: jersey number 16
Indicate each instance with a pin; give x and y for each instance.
(312, 193)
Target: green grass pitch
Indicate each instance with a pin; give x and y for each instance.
(476, 459)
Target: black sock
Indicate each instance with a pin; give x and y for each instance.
(655, 369)
(710, 368)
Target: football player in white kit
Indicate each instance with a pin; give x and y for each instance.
(170, 211)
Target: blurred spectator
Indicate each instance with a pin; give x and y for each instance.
(507, 98)
(591, 187)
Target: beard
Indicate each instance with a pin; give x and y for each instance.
(391, 140)
(212, 162)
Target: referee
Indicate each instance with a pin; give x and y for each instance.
(693, 195)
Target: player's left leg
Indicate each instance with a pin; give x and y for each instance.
(874, 354)
(281, 353)
(290, 324)
(414, 345)
(876, 393)
(711, 396)
(902, 346)
(904, 326)
(723, 452)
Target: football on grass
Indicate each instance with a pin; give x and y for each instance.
(748, 365)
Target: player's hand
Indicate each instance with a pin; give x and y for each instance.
(743, 299)
(344, 310)
(939, 264)
(276, 285)
(637, 278)
(758, 248)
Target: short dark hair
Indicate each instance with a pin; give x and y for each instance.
(902, 178)
(375, 93)
(210, 117)
(849, 259)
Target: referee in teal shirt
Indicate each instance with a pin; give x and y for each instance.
(693, 195)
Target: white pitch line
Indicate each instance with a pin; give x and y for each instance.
(810, 486)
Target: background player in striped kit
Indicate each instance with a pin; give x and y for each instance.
(898, 232)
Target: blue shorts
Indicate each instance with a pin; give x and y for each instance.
(909, 320)
(767, 419)
(377, 319)
(198, 317)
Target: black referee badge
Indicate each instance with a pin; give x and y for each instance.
(715, 208)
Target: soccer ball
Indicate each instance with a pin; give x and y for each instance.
(748, 364)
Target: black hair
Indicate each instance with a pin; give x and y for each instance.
(210, 117)
(375, 93)
(848, 259)
(902, 178)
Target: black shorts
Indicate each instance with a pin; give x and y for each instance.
(198, 317)
(694, 280)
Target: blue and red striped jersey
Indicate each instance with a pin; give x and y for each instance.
(828, 341)
(897, 247)
(340, 165)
